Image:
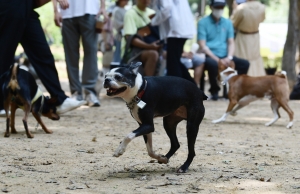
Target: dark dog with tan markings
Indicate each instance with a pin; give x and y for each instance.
(21, 91)
(173, 98)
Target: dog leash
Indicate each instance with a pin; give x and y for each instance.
(137, 99)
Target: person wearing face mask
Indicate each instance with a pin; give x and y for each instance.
(215, 36)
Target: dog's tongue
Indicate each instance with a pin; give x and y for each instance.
(111, 90)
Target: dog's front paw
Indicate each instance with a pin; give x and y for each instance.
(6, 134)
(217, 121)
(119, 152)
(162, 159)
(233, 113)
(290, 125)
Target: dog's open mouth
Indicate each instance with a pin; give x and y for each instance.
(113, 92)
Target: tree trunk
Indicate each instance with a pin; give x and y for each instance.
(229, 4)
(290, 46)
(201, 7)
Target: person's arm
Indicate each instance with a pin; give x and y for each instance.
(163, 13)
(141, 44)
(102, 10)
(237, 16)
(206, 50)
(118, 20)
(201, 37)
(57, 16)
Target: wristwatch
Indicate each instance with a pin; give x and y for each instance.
(230, 57)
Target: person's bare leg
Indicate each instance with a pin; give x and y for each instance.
(149, 59)
(198, 74)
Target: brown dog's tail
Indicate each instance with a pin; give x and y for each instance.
(281, 74)
(13, 83)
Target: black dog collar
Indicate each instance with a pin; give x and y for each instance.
(137, 99)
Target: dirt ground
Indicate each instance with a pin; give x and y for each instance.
(238, 156)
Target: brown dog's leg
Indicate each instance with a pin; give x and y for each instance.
(285, 106)
(231, 105)
(27, 111)
(39, 120)
(13, 109)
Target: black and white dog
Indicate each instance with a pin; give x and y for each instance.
(175, 99)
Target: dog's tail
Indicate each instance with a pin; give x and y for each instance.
(13, 83)
(281, 74)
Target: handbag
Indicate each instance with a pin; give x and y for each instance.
(39, 3)
(148, 33)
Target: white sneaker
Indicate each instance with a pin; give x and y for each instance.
(3, 114)
(68, 105)
(92, 100)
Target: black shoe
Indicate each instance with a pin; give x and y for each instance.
(214, 97)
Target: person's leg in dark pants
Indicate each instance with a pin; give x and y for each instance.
(241, 65)
(212, 67)
(13, 19)
(174, 65)
(37, 49)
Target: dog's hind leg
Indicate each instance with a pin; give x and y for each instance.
(27, 111)
(170, 124)
(193, 122)
(12, 117)
(6, 108)
(159, 158)
(286, 107)
(275, 106)
(39, 120)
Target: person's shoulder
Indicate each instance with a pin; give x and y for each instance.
(226, 20)
(150, 11)
(204, 19)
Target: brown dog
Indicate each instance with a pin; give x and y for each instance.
(243, 89)
(20, 90)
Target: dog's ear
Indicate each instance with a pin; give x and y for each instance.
(135, 67)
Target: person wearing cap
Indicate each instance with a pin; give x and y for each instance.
(246, 18)
(78, 23)
(216, 39)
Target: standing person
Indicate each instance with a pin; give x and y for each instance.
(19, 23)
(246, 18)
(78, 23)
(216, 40)
(176, 25)
(118, 22)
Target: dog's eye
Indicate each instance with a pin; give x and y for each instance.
(117, 77)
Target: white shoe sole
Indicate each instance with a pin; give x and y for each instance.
(72, 108)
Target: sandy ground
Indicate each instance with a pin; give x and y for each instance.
(238, 156)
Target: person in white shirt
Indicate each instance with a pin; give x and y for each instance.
(78, 22)
(176, 25)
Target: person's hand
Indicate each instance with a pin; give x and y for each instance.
(225, 61)
(64, 4)
(190, 55)
(102, 12)
(155, 45)
(57, 19)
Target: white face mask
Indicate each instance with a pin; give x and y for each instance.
(217, 13)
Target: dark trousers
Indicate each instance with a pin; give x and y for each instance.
(19, 23)
(174, 65)
(241, 65)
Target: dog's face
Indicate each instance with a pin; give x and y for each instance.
(121, 80)
(49, 109)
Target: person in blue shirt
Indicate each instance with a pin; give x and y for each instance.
(215, 35)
